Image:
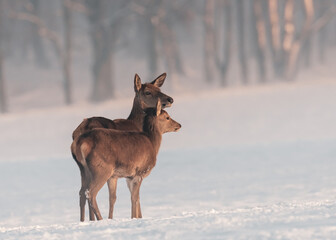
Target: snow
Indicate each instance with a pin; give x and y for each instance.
(248, 163)
(243, 223)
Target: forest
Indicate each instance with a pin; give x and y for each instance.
(267, 40)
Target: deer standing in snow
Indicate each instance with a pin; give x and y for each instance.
(146, 96)
(107, 155)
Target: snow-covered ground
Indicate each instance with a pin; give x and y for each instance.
(248, 163)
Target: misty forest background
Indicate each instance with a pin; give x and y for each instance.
(99, 45)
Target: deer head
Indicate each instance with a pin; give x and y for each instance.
(149, 93)
(161, 119)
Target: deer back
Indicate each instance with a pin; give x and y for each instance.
(94, 122)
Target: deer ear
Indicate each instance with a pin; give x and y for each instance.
(137, 83)
(158, 82)
(158, 107)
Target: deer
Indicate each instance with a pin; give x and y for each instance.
(146, 96)
(107, 154)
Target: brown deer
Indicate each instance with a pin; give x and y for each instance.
(146, 96)
(107, 155)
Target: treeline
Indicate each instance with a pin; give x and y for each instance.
(280, 37)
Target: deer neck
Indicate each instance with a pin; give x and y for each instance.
(154, 135)
(137, 114)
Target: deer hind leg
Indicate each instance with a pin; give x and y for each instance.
(82, 197)
(86, 178)
(82, 201)
(91, 214)
(91, 194)
(134, 187)
(112, 186)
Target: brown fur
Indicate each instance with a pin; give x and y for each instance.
(146, 96)
(107, 155)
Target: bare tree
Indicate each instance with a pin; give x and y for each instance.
(275, 30)
(100, 40)
(63, 51)
(157, 20)
(310, 26)
(294, 45)
(223, 62)
(151, 44)
(241, 40)
(209, 40)
(3, 96)
(259, 38)
(322, 7)
(166, 29)
(33, 7)
(104, 18)
(66, 63)
(146, 11)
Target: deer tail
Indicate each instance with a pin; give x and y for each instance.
(81, 150)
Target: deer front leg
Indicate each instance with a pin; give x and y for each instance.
(112, 186)
(134, 187)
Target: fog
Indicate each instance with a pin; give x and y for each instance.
(65, 52)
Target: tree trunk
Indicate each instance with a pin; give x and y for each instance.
(241, 40)
(100, 34)
(170, 45)
(323, 34)
(40, 56)
(260, 38)
(3, 96)
(66, 56)
(151, 45)
(171, 51)
(276, 37)
(209, 40)
(295, 47)
(102, 88)
(289, 31)
(307, 47)
(151, 35)
(223, 65)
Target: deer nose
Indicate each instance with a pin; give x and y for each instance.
(169, 99)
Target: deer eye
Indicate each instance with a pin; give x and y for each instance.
(167, 118)
(148, 93)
